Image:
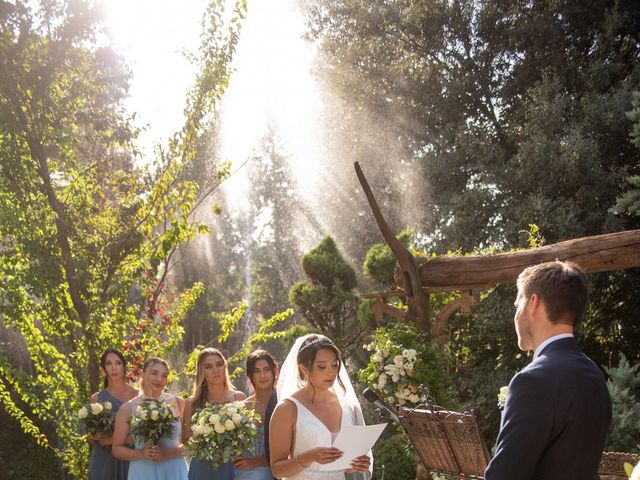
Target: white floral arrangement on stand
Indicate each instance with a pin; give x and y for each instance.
(391, 373)
(97, 418)
(405, 367)
(222, 432)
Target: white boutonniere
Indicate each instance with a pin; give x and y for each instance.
(502, 397)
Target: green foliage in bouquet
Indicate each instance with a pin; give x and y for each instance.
(152, 421)
(97, 418)
(405, 367)
(221, 432)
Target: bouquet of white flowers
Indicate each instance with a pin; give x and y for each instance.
(222, 432)
(97, 418)
(152, 420)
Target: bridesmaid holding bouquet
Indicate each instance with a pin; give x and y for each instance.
(211, 386)
(161, 459)
(102, 464)
(262, 372)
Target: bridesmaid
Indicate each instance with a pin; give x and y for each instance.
(102, 465)
(166, 460)
(262, 372)
(212, 385)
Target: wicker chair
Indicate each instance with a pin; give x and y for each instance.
(451, 443)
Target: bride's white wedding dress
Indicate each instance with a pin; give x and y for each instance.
(311, 433)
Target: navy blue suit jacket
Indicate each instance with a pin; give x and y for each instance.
(556, 419)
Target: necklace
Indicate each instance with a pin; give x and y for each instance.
(260, 402)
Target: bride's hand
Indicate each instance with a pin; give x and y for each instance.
(360, 464)
(324, 455)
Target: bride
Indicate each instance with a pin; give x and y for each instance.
(312, 411)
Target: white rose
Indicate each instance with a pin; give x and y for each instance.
(83, 413)
(142, 413)
(107, 406)
(96, 408)
(229, 425)
(398, 360)
(215, 418)
(196, 429)
(207, 429)
(237, 418)
(202, 420)
(219, 428)
(410, 353)
(232, 410)
(139, 410)
(154, 414)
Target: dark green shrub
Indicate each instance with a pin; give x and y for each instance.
(397, 455)
(624, 387)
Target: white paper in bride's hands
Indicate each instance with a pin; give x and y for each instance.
(353, 441)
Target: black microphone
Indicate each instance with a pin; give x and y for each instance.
(371, 396)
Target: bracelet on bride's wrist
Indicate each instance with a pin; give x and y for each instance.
(298, 462)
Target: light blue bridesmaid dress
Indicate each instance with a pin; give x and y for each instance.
(259, 473)
(102, 464)
(170, 469)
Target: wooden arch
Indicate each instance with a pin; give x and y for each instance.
(416, 278)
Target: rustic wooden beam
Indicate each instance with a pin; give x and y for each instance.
(600, 253)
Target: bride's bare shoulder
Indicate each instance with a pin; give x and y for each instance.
(285, 407)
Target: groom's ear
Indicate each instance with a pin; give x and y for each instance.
(535, 305)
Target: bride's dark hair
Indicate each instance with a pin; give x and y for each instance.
(309, 348)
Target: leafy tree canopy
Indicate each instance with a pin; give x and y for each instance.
(87, 236)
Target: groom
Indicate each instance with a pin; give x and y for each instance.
(558, 409)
